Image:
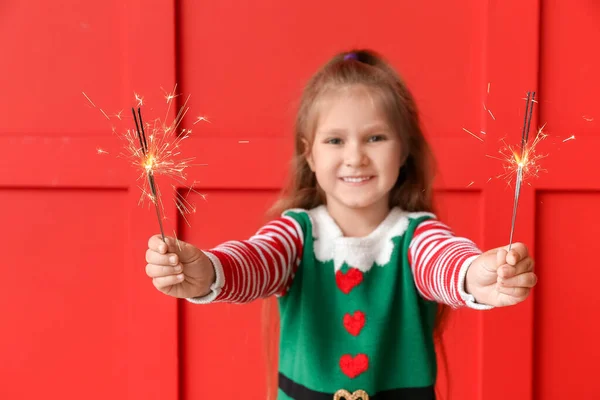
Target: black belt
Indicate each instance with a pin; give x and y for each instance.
(300, 392)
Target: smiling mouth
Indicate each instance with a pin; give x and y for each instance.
(356, 179)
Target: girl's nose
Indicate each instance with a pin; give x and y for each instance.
(354, 156)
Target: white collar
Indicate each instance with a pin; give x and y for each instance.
(358, 252)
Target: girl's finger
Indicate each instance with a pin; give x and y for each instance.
(157, 271)
(527, 280)
(166, 281)
(152, 257)
(501, 257)
(517, 253)
(517, 292)
(508, 271)
(155, 243)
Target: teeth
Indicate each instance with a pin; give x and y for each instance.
(356, 180)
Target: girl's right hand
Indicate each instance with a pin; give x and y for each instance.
(178, 269)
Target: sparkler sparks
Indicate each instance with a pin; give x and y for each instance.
(91, 102)
(170, 96)
(154, 150)
(514, 158)
(472, 134)
(139, 99)
(201, 119)
(520, 163)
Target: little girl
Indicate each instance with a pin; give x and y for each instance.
(358, 261)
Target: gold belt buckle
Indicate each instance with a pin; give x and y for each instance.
(343, 394)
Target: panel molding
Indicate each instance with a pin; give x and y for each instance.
(507, 333)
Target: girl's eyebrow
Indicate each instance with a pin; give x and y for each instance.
(331, 132)
(377, 126)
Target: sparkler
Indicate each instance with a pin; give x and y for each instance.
(155, 149)
(522, 160)
(519, 163)
(149, 164)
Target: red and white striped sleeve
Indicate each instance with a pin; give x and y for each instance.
(439, 261)
(261, 266)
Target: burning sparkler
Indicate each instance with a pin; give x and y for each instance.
(154, 149)
(514, 159)
(149, 164)
(520, 163)
(522, 160)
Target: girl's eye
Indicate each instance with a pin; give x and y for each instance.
(376, 138)
(334, 141)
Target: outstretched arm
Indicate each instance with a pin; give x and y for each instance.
(439, 262)
(452, 270)
(261, 266)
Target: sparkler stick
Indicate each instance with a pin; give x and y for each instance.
(139, 127)
(522, 161)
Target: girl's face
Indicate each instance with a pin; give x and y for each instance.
(355, 154)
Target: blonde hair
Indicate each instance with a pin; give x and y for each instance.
(412, 191)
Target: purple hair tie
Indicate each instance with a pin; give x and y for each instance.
(351, 56)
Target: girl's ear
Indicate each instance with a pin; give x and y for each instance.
(308, 154)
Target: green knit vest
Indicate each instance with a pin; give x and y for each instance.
(397, 335)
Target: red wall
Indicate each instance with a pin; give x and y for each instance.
(79, 317)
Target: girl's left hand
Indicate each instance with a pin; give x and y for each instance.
(500, 278)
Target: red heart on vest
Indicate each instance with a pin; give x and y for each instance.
(354, 323)
(354, 366)
(346, 282)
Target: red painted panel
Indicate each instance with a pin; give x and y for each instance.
(49, 134)
(52, 52)
(569, 69)
(569, 84)
(246, 63)
(566, 303)
(63, 321)
(567, 220)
